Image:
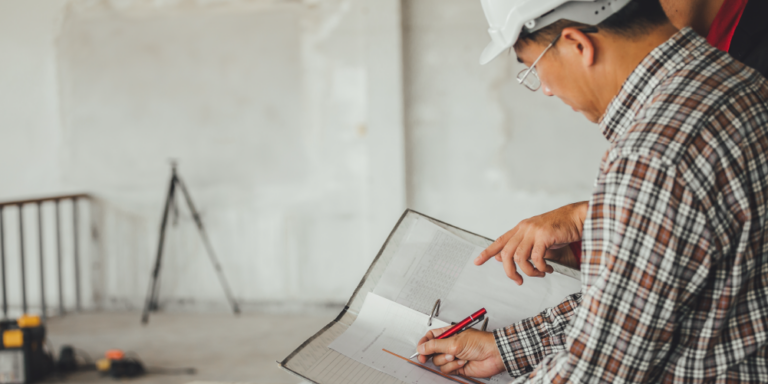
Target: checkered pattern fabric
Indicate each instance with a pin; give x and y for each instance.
(675, 248)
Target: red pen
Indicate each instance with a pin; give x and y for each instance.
(461, 326)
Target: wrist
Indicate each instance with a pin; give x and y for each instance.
(579, 213)
(495, 353)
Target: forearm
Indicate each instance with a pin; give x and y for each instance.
(570, 254)
(525, 344)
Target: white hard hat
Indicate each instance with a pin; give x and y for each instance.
(507, 18)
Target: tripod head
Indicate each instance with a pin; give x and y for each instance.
(174, 164)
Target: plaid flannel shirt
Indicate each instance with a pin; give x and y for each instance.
(675, 261)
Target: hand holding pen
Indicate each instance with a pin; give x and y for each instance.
(470, 353)
(461, 326)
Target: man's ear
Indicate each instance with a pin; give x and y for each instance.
(580, 43)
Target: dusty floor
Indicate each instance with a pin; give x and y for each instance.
(223, 348)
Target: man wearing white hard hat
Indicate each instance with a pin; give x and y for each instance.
(734, 26)
(675, 263)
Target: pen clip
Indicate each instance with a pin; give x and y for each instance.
(435, 312)
(473, 323)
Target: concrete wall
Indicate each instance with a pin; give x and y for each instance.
(303, 129)
(264, 104)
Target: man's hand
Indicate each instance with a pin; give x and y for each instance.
(532, 238)
(471, 353)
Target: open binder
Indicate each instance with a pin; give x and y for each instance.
(314, 361)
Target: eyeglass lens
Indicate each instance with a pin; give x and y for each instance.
(531, 81)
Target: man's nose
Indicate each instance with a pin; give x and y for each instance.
(546, 90)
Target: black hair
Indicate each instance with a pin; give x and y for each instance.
(637, 18)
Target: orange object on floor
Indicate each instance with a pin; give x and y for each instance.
(115, 354)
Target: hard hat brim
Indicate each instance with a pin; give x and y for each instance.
(491, 51)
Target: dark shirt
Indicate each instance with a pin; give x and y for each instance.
(750, 41)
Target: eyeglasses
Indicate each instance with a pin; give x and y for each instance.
(529, 77)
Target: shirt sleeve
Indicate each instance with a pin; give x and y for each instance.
(525, 344)
(647, 261)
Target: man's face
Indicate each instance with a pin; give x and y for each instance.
(562, 74)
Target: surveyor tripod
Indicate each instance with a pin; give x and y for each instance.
(170, 205)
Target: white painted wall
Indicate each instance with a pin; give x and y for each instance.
(303, 129)
(285, 124)
(29, 118)
(30, 145)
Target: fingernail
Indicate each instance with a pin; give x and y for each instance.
(449, 357)
(462, 362)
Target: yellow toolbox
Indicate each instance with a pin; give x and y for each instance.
(23, 358)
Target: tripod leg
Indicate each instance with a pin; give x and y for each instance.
(174, 210)
(207, 242)
(151, 302)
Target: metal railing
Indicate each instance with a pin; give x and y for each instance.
(20, 204)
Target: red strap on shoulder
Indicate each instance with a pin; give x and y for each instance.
(727, 19)
(576, 249)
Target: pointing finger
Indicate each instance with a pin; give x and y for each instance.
(489, 252)
(495, 248)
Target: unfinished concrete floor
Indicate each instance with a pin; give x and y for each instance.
(223, 348)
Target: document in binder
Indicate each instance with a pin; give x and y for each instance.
(422, 261)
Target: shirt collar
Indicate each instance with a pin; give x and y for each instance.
(660, 64)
